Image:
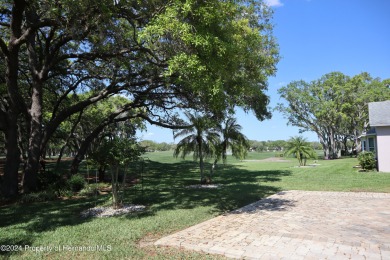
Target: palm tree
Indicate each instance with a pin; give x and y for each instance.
(233, 138)
(200, 139)
(301, 148)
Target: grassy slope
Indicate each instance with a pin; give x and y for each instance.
(171, 206)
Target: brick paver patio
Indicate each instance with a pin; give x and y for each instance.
(297, 225)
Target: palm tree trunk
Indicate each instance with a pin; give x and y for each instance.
(299, 158)
(212, 169)
(201, 164)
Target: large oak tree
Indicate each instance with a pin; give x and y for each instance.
(161, 55)
(335, 107)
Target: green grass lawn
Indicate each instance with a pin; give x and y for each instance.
(170, 206)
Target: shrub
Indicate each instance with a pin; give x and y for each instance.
(76, 182)
(88, 191)
(50, 180)
(367, 160)
(91, 189)
(38, 196)
(65, 193)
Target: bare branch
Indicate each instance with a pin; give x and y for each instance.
(153, 122)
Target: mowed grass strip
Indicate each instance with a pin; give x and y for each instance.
(170, 206)
(328, 175)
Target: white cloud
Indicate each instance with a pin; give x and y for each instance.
(274, 3)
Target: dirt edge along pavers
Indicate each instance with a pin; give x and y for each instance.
(296, 225)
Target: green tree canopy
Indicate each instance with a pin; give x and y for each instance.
(163, 56)
(334, 107)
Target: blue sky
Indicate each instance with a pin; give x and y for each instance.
(316, 37)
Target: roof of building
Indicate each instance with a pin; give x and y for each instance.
(379, 113)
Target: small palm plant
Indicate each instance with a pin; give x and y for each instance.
(301, 149)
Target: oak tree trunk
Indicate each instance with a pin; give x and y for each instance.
(12, 161)
(10, 181)
(34, 152)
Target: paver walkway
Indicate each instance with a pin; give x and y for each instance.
(297, 225)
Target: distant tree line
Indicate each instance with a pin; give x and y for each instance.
(254, 145)
(276, 145)
(152, 146)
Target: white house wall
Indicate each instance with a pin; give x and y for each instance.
(383, 146)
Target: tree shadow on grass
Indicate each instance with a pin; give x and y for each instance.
(43, 216)
(165, 187)
(162, 186)
(20, 223)
(15, 246)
